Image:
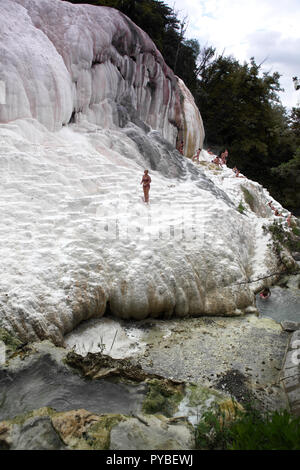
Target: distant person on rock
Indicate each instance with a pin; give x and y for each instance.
(196, 157)
(237, 172)
(289, 222)
(271, 206)
(265, 293)
(278, 213)
(146, 180)
(222, 157)
(181, 145)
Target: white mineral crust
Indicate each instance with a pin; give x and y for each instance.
(89, 104)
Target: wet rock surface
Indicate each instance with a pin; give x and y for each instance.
(243, 354)
(81, 407)
(235, 383)
(290, 325)
(291, 373)
(151, 433)
(36, 433)
(43, 382)
(52, 398)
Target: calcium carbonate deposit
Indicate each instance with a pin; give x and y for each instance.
(87, 104)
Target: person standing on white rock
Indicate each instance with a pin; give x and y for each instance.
(146, 180)
(196, 157)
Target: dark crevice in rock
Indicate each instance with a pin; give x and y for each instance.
(72, 118)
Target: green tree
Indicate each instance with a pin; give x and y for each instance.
(241, 111)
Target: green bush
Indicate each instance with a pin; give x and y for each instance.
(248, 430)
(249, 198)
(291, 240)
(296, 231)
(241, 208)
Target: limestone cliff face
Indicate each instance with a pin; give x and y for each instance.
(86, 104)
(62, 61)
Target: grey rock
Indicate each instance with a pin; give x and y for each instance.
(290, 325)
(290, 361)
(294, 397)
(151, 433)
(37, 434)
(295, 337)
(296, 256)
(291, 373)
(291, 382)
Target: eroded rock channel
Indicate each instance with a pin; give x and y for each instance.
(176, 370)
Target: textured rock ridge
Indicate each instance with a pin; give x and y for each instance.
(89, 104)
(63, 61)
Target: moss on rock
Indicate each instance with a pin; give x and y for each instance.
(249, 198)
(98, 435)
(162, 398)
(198, 395)
(11, 341)
(21, 419)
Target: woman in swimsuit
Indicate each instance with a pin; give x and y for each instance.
(146, 180)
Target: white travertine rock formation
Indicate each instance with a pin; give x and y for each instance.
(60, 61)
(89, 104)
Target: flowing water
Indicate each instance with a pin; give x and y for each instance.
(284, 304)
(44, 382)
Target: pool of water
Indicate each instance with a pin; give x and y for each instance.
(284, 304)
(46, 383)
(106, 335)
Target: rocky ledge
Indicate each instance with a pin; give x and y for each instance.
(55, 399)
(291, 369)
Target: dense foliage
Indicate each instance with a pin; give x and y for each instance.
(248, 430)
(239, 104)
(242, 112)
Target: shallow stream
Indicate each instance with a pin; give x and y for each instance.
(46, 383)
(284, 303)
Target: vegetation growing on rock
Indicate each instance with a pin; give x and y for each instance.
(162, 398)
(11, 342)
(288, 239)
(248, 429)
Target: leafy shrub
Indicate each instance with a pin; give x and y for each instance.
(249, 430)
(241, 208)
(249, 198)
(290, 240)
(296, 231)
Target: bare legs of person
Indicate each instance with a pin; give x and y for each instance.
(146, 193)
